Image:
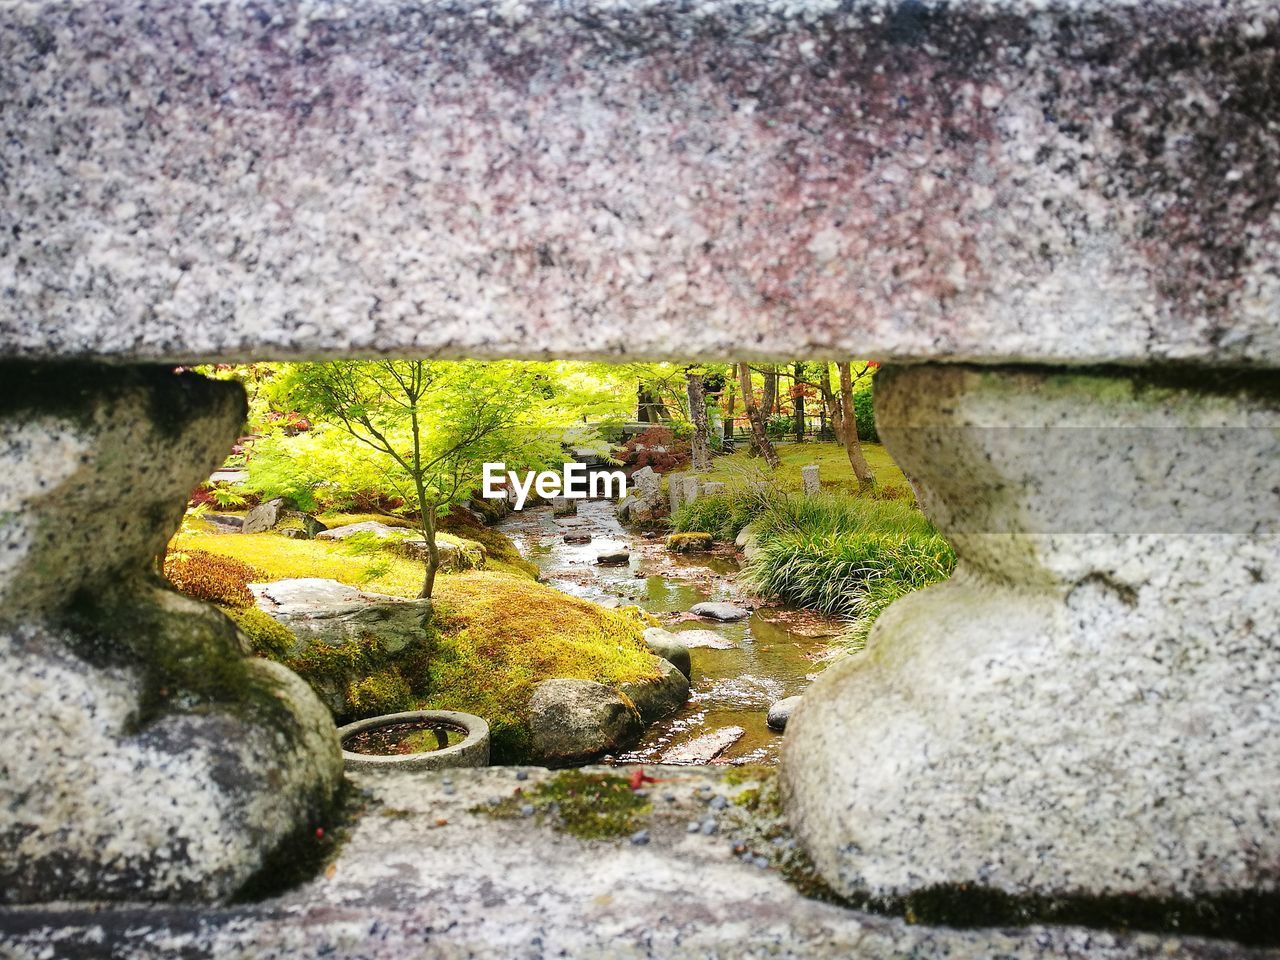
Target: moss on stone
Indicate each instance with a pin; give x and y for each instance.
(267, 637)
(590, 806)
(689, 542)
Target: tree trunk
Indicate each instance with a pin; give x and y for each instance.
(866, 479)
(757, 421)
(428, 517)
(770, 398)
(698, 414)
(832, 403)
(797, 401)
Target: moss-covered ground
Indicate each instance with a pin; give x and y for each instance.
(498, 632)
(834, 470)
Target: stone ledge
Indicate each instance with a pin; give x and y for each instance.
(403, 887)
(1071, 181)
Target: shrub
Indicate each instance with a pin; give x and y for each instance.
(865, 415)
(779, 426)
(723, 515)
(211, 577)
(846, 557)
(658, 448)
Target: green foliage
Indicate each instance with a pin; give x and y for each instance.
(864, 413)
(210, 577)
(723, 515)
(845, 557)
(385, 692)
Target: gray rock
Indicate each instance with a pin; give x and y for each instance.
(675, 490)
(577, 538)
(573, 721)
(657, 698)
(704, 748)
(226, 523)
(453, 557)
(645, 483)
(780, 713)
(263, 517)
(748, 542)
(613, 558)
(168, 763)
(664, 644)
(812, 482)
(712, 488)
(695, 639)
(382, 531)
(564, 507)
(716, 610)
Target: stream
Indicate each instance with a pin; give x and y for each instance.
(776, 652)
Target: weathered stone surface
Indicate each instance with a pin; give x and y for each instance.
(781, 712)
(331, 613)
(453, 556)
(718, 610)
(664, 644)
(705, 638)
(712, 488)
(264, 516)
(613, 558)
(655, 699)
(812, 482)
(705, 747)
(146, 755)
(572, 721)
(675, 490)
(577, 539)
(382, 531)
(564, 507)
(747, 542)
(994, 191)
(403, 886)
(646, 483)
(1100, 673)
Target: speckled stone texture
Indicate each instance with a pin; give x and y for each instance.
(423, 875)
(1089, 705)
(1057, 180)
(145, 755)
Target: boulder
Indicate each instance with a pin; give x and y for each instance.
(454, 557)
(704, 748)
(613, 558)
(646, 484)
(382, 531)
(299, 525)
(665, 644)
(564, 507)
(705, 638)
(264, 516)
(577, 538)
(661, 696)
(574, 721)
(780, 713)
(748, 542)
(325, 615)
(224, 523)
(689, 542)
(718, 610)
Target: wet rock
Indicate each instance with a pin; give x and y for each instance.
(704, 748)
(664, 644)
(780, 713)
(564, 507)
(577, 538)
(614, 558)
(705, 638)
(660, 697)
(689, 542)
(717, 610)
(573, 721)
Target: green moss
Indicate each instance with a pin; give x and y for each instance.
(590, 806)
(267, 636)
(384, 692)
(688, 542)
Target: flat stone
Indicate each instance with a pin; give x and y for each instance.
(869, 265)
(716, 610)
(780, 713)
(694, 639)
(577, 538)
(705, 747)
(421, 858)
(382, 531)
(613, 558)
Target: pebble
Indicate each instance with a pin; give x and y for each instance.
(718, 802)
(669, 797)
(709, 827)
(522, 774)
(640, 838)
(450, 789)
(447, 781)
(761, 862)
(693, 827)
(526, 810)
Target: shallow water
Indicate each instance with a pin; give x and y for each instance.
(730, 688)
